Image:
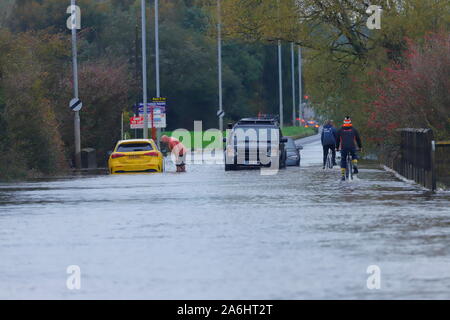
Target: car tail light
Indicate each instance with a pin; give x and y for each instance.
(317, 125)
(117, 155)
(151, 154)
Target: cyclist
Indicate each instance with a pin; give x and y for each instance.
(347, 141)
(328, 137)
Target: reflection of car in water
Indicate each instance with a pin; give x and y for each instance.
(293, 153)
(134, 156)
(255, 142)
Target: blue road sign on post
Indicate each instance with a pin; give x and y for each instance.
(157, 109)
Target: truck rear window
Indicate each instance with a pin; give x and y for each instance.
(133, 147)
(241, 133)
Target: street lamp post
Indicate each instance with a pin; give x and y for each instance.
(219, 59)
(144, 70)
(77, 133)
(280, 72)
(280, 83)
(293, 83)
(75, 90)
(300, 94)
(158, 92)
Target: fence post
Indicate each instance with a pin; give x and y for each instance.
(433, 171)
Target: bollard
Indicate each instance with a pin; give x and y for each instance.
(88, 158)
(433, 168)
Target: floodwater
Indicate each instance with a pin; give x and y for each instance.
(211, 234)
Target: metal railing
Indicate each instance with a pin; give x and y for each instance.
(442, 162)
(416, 159)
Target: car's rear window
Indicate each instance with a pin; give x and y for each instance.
(132, 147)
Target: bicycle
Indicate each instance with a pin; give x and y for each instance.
(349, 169)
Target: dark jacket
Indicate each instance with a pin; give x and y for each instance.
(348, 138)
(329, 135)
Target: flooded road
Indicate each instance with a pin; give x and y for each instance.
(211, 234)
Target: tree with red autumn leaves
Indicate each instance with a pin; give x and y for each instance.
(414, 92)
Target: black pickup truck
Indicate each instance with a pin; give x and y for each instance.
(254, 143)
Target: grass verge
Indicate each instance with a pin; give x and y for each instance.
(298, 132)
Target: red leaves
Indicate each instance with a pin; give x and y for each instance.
(416, 93)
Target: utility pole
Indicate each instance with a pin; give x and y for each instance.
(158, 92)
(136, 51)
(293, 83)
(280, 82)
(300, 93)
(280, 72)
(219, 59)
(144, 70)
(121, 126)
(75, 88)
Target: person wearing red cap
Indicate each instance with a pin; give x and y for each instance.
(348, 140)
(178, 149)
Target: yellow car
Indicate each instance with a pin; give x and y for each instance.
(135, 156)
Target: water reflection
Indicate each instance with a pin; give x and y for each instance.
(215, 234)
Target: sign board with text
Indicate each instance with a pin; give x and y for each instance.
(159, 121)
(156, 113)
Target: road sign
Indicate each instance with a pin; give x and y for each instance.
(156, 102)
(75, 104)
(136, 122)
(157, 108)
(159, 121)
(220, 113)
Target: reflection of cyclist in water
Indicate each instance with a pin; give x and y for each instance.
(347, 141)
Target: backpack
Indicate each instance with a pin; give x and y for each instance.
(328, 136)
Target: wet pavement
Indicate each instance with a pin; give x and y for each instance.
(211, 234)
